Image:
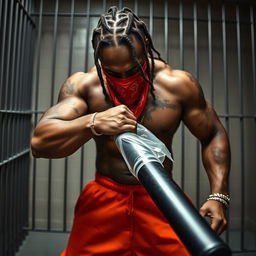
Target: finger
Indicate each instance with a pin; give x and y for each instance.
(129, 128)
(203, 212)
(126, 121)
(132, 116)
(128, 112)
(131, 121)
(222, 227)
(216, 224)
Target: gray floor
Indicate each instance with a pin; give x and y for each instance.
(43, 244)
(52, 244)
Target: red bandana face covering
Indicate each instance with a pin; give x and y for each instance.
(131, 91)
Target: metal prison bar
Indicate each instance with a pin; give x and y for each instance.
(16, 44)
(17, 29)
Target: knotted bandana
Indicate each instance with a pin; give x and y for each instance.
(131, 91)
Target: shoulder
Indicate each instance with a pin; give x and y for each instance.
(83, 81)
(179, 82)
(174, 78)
(79, 83)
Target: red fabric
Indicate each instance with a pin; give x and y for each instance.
(131, 91)
(112, 219)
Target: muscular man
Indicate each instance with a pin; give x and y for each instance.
(114, 215)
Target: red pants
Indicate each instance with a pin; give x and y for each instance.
(113, 219)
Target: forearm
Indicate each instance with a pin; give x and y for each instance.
(55, 138)
(216, 160)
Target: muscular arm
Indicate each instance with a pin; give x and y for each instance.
(64, 127)
(202, 121)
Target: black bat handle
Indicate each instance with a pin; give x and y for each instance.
(183, 217)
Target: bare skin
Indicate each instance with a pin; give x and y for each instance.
(64, 127)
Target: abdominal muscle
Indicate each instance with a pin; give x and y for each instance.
(110, 163)
(117, 170)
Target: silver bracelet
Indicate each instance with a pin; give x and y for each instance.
(220, 200)
(223, 196)
(92, 126)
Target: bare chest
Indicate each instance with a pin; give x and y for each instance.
(161, 114)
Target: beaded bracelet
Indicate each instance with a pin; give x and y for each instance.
(92, 126)
(219, 199)
(225, 197)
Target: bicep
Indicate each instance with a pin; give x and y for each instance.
(70, 103)
(198, 115)
(202, 121)
(68, 108)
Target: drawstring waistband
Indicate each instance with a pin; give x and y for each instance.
(130, 201)
(130, 190)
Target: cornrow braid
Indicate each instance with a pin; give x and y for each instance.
(142, 24)
(140, 38)
(113, 10)
(134, 57)
(96, 55)
(117, 27)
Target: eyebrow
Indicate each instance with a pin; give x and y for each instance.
(126, 72)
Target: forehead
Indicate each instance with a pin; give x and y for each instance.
(117, 55)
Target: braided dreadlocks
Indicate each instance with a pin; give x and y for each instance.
(115, 28)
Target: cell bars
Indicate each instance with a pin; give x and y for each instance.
(227, 29)
(16, 54)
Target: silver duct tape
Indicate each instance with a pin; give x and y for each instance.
(135, 153)
(141, 148)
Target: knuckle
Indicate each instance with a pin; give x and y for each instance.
(116, 121)
(219, 219)
(122, 122)
(202, 210)
(119, 122)
(121, 118)
(123, 108)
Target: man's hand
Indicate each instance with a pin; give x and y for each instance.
(216, 211)
(115, 120)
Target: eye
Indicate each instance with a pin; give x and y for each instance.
(135, 69)
(113, 73)
(132, 71)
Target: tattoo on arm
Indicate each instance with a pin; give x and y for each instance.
(76, 110)
(67, 89)
(192, 78)
(218, 155)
